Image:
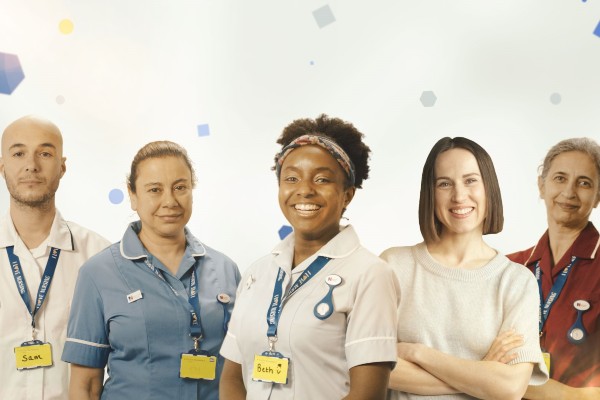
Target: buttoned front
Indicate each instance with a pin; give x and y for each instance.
(573, 364)
(77, 244)
(361, 329)
(141, 337)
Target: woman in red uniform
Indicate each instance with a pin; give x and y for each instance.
(566, 262)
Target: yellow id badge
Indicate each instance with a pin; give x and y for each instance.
(198, 366)
(33, 355)
(270, 369)
(547, 360)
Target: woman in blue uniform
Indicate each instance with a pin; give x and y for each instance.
(153, 307)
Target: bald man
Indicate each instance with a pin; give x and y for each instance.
(40, 256)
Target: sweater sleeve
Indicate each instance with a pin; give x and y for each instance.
(521, 312)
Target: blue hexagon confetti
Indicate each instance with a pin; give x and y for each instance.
(11, 73)
(428, 98)
(116, 196)
(597, 30)
(284, 231)
(203, 130)
(324, 16)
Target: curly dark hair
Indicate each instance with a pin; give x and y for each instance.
(342, 132)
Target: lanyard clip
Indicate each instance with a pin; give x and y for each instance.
(272, 340)
(197, 342)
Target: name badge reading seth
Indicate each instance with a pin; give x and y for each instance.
(270, 368)
(33, 354)
(198, 366)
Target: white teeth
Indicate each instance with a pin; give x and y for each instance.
(306, 207)
(462, 211)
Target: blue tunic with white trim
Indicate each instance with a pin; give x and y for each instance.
(142, 340)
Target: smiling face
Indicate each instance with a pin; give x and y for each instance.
(163, 198)
(313, 194)
(460, 199)
(32, 163)
(570, 190)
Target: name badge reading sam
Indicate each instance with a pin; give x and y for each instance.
(270, 368)
(197, 366)
(34, 354)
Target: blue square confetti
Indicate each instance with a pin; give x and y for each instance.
(597, 31)
(324, 16)
(203, 130)
(284, 231)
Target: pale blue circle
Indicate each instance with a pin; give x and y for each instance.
(116, 196)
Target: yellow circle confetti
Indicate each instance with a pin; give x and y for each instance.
(65, 26)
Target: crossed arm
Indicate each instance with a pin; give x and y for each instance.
(426, 371)
(554, 390)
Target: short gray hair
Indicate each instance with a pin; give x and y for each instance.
(584, 145)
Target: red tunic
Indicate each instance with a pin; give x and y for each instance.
(576, 365)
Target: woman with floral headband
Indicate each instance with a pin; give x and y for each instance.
(314, 319)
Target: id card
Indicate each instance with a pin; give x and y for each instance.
(34, 354)
(198, 366)
(547, 360)
(270, 367)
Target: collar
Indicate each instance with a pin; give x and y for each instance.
(132, 248)
(586, 246)
(342, 245)
(60, 236)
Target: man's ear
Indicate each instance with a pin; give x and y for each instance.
(63, 166)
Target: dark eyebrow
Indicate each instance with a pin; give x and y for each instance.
(319, 169)
(19, 145)
(464, 176)
(180, 180)
(577, 177)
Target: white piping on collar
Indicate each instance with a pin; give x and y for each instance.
(128, 257)
(595, 248)
(203, 250)
(531, 255)
(203, 253)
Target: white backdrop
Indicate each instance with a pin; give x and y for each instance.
(514, 75)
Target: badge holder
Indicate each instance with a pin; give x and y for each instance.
(577, 333)
(224, 300)
(271, 366)
(324, 308)
(33, 354)
(198, 364)
(547, 360)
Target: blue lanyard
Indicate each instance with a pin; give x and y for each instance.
(195, 325)
(555, 291)
(17, 271)
(274, 311)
